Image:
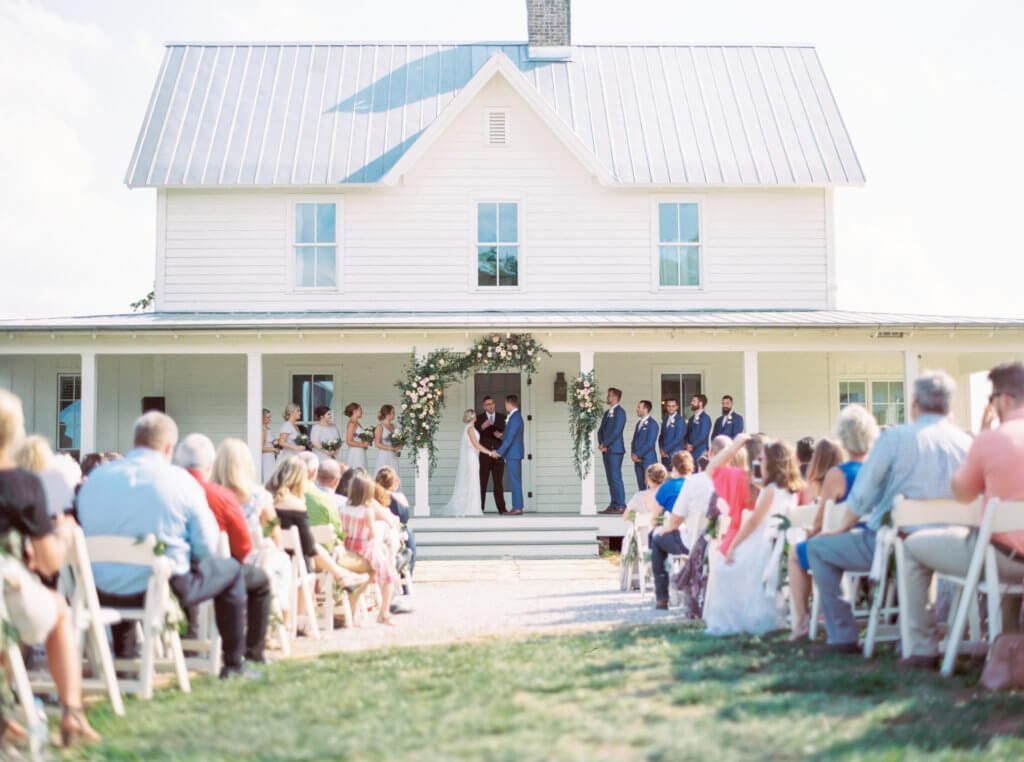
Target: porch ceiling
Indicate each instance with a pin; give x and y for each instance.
(485, 320)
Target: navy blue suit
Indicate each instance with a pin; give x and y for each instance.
(609, 435)
(698, 433)
(730, 425)
(645, 447)
(512, 451)
(673, 432)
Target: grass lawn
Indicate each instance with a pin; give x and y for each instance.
(652, 693)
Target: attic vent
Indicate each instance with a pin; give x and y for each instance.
(889, 335)
(497, 128)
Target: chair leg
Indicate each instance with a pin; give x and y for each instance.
(995, 597)
(902, 592)
(148, 666)
(812, 632)
(309, 602)
(968, 597)
(22, 685)
(101, 649)
(876, 609)
(180, 667)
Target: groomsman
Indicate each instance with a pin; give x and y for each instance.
(698, 428)
(609, 441)
(512, 451)
(490, 426)
(673, 431)
(728, 423)
(644, 447)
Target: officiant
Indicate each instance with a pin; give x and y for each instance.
(490, 426)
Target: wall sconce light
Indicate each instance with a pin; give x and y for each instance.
(561, 388)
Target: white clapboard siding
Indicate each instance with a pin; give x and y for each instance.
(584, 245)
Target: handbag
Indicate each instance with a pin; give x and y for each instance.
(1004, 667)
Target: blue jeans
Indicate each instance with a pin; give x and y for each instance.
(662, 546)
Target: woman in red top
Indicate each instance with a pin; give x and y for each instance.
(357, 521)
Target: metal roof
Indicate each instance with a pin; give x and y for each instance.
(485, 320)
(265, 114)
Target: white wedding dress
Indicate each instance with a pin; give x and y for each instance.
(466, 495)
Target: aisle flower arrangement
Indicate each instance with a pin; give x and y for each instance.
(585, 411)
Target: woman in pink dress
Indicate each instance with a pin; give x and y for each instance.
(357, 521)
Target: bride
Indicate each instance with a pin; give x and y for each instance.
(466, 495)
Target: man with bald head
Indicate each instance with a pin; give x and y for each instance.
(144, 494)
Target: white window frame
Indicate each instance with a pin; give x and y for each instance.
(868, 382)
(508, 198)
(290, 268)
(487, 127)
(297, 369)
(702, 245)
(56, 438)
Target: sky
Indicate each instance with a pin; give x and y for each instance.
(931, 93)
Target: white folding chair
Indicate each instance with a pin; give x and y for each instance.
(126, 550)
(327, 585)
(19, 675)
(642, 535)
(207, 644)
(1000, 516)
(831, 521)
(302, 584)
(264, 545)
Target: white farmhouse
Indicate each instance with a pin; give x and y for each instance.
(660, 214)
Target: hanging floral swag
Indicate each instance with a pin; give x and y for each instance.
(425, 379)
(585, 411)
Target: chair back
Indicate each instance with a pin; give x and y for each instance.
(114, 549)
(833, 518)
(908, 513)
(1003, 516)
(290, 541)
(324, 534)
(223, 546)
(802, 516)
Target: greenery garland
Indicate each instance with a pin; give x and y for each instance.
(425, 379)
(585, 410)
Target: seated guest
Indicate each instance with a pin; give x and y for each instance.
(196, 455)
(916, 460)
(321, 507)
(804, 453)
(857, 431)
(59, 474)
(346, 479)
(389, 495)
(358, 518)
(144, 494)
(646, 501)
(39, 614)
(828, 453)
(682, 466)
(736, 598)
(91, 461)
(993, 469)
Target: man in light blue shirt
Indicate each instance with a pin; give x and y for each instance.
(916, 460)
(144, 494)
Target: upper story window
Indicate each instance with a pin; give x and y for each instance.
(497, 244)
(678, 244)
(316, 245)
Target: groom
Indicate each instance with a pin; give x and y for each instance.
(512, 451)
(490, 426)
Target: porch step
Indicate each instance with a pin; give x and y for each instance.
(497, 537)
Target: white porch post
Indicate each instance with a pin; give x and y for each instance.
(910, 374)
(588, 492)
(422, 506)
(254, 406)
(751, 414)
(87, 422)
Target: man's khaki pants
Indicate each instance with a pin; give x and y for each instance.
(948, 550)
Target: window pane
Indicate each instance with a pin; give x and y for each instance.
(897, 413)
(671, 388)
(323, 390)
(487, 266)
(325, 230)
(301, 387)
(487, 223)
(668, 258)
(305, 223)
(851, 393)
(325, 273)
(881, 414)
(690, 264)
(305, 266)
(508, 259)
(688, 223)
(508, 223)
(668, 223)
(896, 391)
(879, 392)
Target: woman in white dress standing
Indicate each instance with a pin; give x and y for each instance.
(289, 431)
(466, 495)
(323, 432)
(269, 459)
(736, 600)
(387, 453)
(356, 447)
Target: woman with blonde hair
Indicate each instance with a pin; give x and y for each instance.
(358, 522)
(736, 599)
(268, 454)
(289, 432)
(387, 453)
(465, 500)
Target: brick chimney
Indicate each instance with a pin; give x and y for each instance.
(548, 25)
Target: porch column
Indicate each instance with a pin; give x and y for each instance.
(750, 400)
(254, 406)
(910, 374)
(87, 389)
(422, 506)
(588, 493)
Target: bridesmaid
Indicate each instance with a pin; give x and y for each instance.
(356, 447)
(323, 431)
(387, 454)
(289, 431)
(269, 459)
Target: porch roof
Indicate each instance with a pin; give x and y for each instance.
(503, 319)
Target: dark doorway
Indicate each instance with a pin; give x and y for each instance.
(680, 387)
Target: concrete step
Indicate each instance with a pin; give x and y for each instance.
(501, 550)
(509, 536)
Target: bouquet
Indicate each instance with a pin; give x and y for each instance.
(365, 436)
(302, 440)
(399, 439)
(332, 446)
